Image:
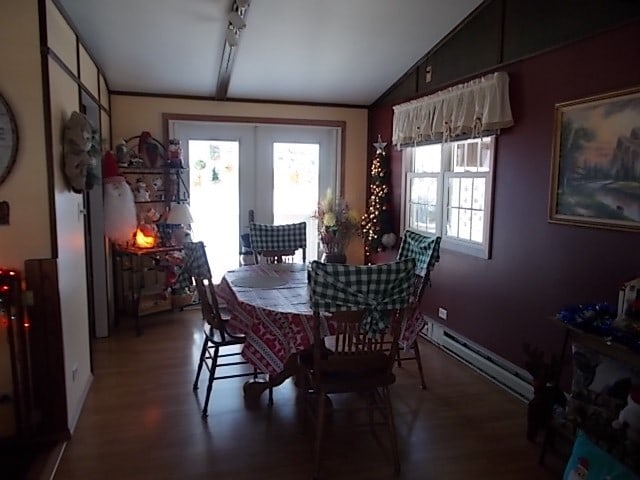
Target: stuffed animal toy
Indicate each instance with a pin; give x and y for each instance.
(149, 150)
(157, 183)
(80, 153)
(140, 191)
(151, 215)
(547, 395)
(122, 154)
(630, 416)
(580, 471)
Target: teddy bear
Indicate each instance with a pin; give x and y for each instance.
(81, 153)
(629, 417)
(140, 191)
(151, 216)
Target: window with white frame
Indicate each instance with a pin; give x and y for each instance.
(448, 192)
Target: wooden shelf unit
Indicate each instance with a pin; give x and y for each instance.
(141, 287)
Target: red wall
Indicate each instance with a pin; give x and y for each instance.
(536, 267)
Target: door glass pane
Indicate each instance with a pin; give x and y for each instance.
(295, 188)
(214, 199)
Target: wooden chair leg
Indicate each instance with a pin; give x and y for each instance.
(212, 374)
(392, 430)
(305, 399)
(320, 421)
(416, 352)
(398, 358)
(371, 409)
(203, 354)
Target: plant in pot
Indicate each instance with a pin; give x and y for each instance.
(337, 225)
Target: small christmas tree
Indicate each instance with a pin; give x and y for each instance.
(376, 222)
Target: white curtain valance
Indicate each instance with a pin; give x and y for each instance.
(468, 109)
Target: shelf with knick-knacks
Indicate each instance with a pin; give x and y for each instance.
(155, 175)
(145, 267)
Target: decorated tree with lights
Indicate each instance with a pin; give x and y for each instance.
(376, 222)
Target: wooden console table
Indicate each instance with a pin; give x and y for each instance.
(600, 344)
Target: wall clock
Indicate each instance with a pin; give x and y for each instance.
(8, 139)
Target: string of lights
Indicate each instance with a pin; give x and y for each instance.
(376, 221)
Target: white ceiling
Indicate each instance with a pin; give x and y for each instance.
(327, 51)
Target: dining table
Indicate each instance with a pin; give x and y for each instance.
(269, 305)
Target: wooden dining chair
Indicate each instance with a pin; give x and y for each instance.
(217, 336)
(425, 249)
(278, 243)
(365, 303)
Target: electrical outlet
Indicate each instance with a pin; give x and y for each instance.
(442, 313)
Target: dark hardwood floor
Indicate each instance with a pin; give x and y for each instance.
(141, 420)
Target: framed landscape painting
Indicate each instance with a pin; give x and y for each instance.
(595, 172)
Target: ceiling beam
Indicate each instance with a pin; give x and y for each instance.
(237, 22)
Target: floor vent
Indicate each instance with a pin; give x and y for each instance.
(497, 369)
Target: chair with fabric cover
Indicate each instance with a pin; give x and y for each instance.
(278, 243)
(216, 333)
(425, 249)
(366, 304)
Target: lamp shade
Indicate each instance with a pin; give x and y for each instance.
(179, 214)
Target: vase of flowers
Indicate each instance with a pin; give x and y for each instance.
(337, 225)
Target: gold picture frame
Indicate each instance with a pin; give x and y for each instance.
(595, 172)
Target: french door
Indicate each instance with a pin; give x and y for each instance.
(264, 173)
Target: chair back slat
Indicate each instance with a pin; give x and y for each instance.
(425, 249)
(278, 240)
(209, 306)
(196, 265)
(375, 290)
(367, 304)
(196, 269)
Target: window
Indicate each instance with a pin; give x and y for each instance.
(448, 192)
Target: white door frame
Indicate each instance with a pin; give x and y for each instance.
(256, 140)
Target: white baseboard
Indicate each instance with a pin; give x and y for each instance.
(73, 418)
(502, 372)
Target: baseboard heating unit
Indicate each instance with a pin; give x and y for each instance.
(497, 369)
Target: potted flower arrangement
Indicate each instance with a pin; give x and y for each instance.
(337, 225)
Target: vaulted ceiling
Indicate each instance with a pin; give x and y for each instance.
(327, 51)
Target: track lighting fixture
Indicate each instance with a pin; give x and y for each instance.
(236, 20)
(231, 37)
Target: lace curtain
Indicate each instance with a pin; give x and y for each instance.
(465, 110)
